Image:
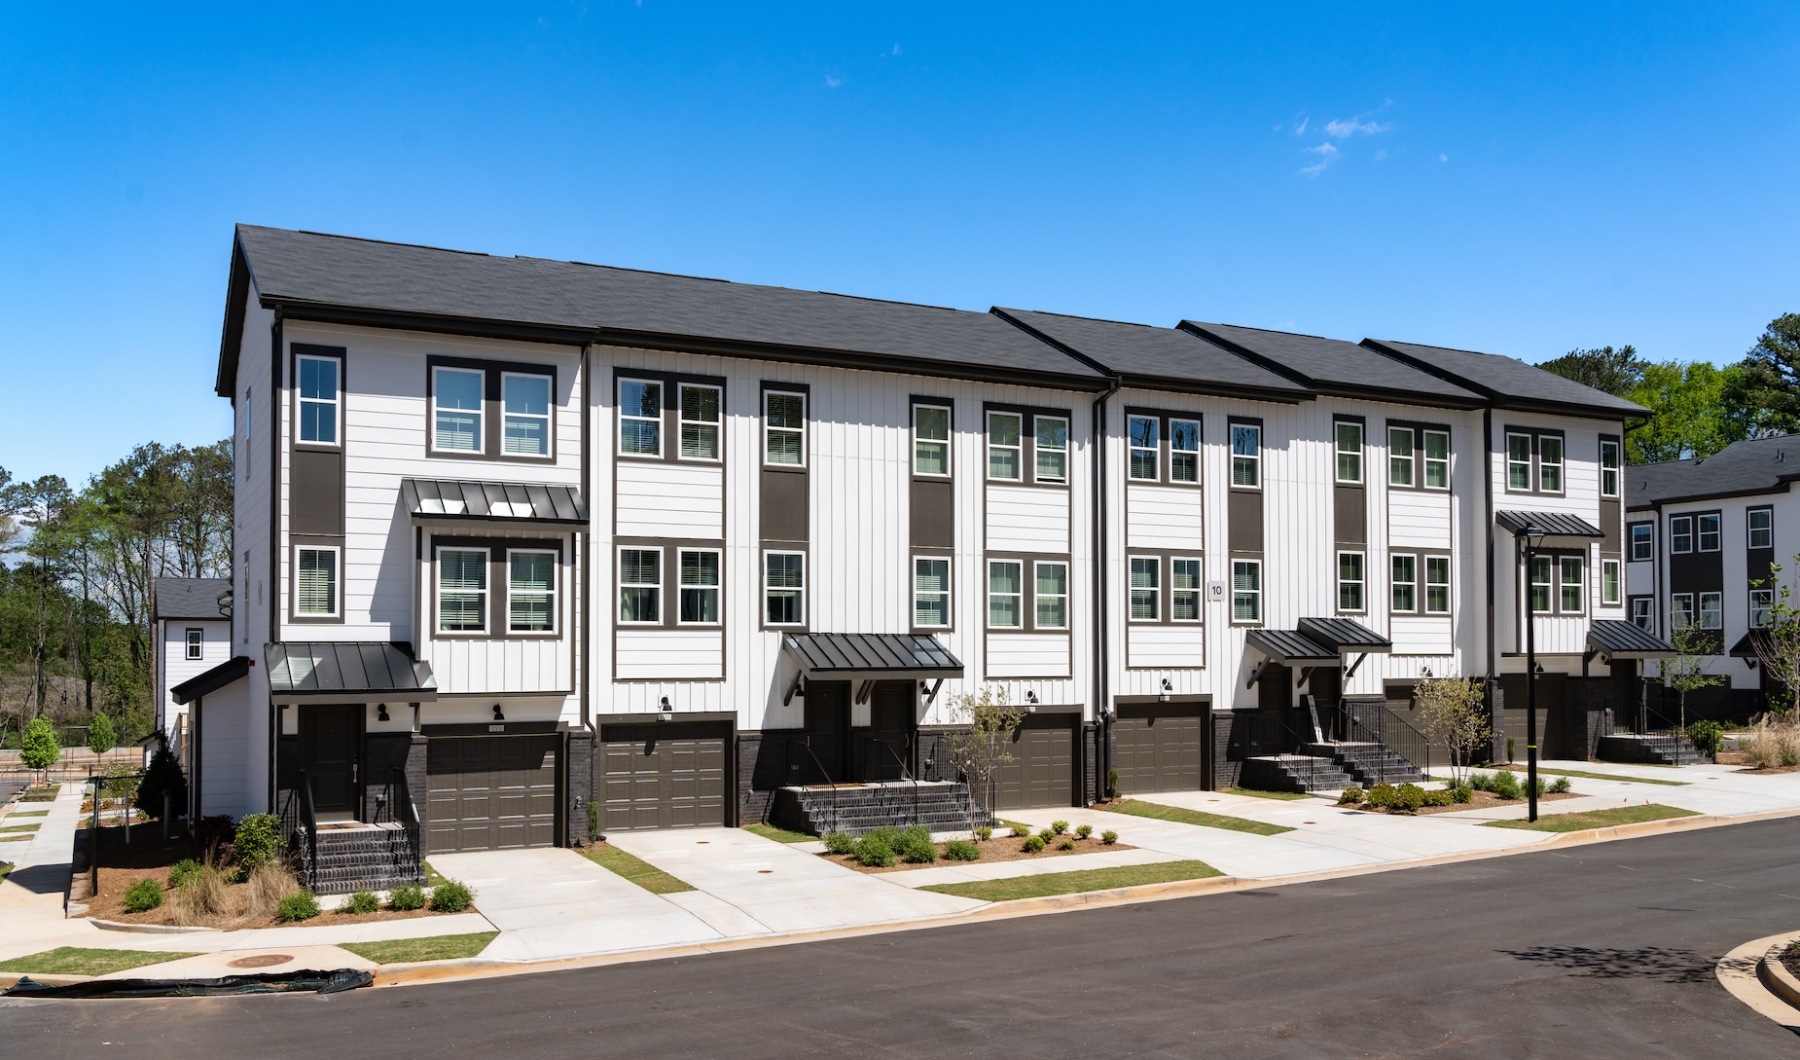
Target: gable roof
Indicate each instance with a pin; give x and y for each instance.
(1336, 366)
(349, 280)
(1756, 465)
(1507, 381)
(1164, 358)
(190, 598)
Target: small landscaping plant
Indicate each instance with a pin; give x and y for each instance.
(363, 902)
(405, 898)
(1507, 786)
(1381, 796)
(1033, 844)
(1706, 736)
(302, 906)
(840, 843)
(258, 840)
(1084, 831)
(1066, 844)
(1020, 831)
(1046, 835)
(1560, 785)
(874, 852)
(1059, 827)
(1461, 794)
(451, 896)
(961, 850)
(1409, 798)
(1352, 796)
(984, 833)
(1109, 837)
(183, 871)
(917, 850)
(143, 896)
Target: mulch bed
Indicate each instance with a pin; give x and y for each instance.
(1740, 758)
(999, 848)
(1790, 957)
(1482, 800)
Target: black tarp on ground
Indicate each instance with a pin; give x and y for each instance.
(308, 981)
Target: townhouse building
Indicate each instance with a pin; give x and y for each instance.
(536, 546)
(192, 619)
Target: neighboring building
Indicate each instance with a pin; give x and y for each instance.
(192, 617)
(532, 533)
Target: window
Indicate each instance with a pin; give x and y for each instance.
(1709, 532)
(1437, 460)
(462, 590)
(1681, 534)
(1550, 463)
(1437, 585)
(1609, 468)
(1184, 590)
(1681, 611)
(699, 586)
(1006, 594)
(931, 440)
(1643, 612)
(1004, 446)
(640, 586)
(640, 418)
(196, 644)
(1640, 542)
(1052, 448)
(699, 421)
(1400, 456)
(1570, 597)
(1142, 432)
(1246, 456)
(1712, 610)
(1052, 596)
(1349, 451)
(456, 401)
(1541, 572)
(525, 414)
(1609, 582)
(931, 592)
(318, 400)
(784, 588)
(1762, 527)
(1350, 582)
(1405, 583)
(530, 591)
(784, 428)
(316, 582)
(1762, 609)
(1246, 590)
(1184, 450)
(1518, 462)
(1146, 595)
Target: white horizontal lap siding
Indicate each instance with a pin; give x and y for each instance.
(1012, 655)
(1166, 647)
(663, 500)
(1422, 636)
(1164, 517)
(680, 654)
(1419, 518)
(1023, 519)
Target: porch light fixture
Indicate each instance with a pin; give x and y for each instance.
(499, 715)
(667, 711)
(1426, 670)
(381, 712)
(1031, 697)
(1167, 687)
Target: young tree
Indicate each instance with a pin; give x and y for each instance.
(986, 745)
(1777, 643)
(102, 737)
(1685, 671)
(1452, 712)
(41, 747)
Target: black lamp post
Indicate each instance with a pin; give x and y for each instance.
(1533, 538)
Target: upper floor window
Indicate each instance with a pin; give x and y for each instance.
(1437, 460)
(462, 590)
(640, 417)
(1543, 570)
(1609, 583)
(1184, 589)
(1400, 456)
(931, 440)
(525, 412)
(699, 421)
(1184, 450)
(1006, 594)
(1146, 588)
(1052, 598)
(931, 592)
(1761, 523)
(1609, 467)
(1712, 610)
(1350, 582)
(1005, 446)
(1143, 432)
(316, 582)
(784, 428)
(1762, 608)
(1643, 612)
(1550, 463)
(1405, 584)
(1052, 437)
(196, 644)
(1681, 611)
(1569, 598)
(1641, 544)
(1681, 534)
(784, 588)
(530, 590)
(1246, 456)
(1349, 451)
(640, 586)
(1437, 585)
(457, 413)
(1709, 531)
(1246, 590)
(319, 400)
(1518, 462)
(699, 569)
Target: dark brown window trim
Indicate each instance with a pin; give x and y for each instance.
(340, 354)
(1028, 562)
(296, 542)
(669, 617)
(1164, 452)
(493, 408)
(670, 424)
(912, 588)
(1262, 593)
(804, 550)
(1337, 579)
(912, 434)
(1028, 416)
(1165, 586)
(1262, 447)
(1418, 429)
(1536, 434)
(1631, 610)
(497, 586)
(1600, 464)
(1420, 555)
(1362, 426)
(762, 440)
(1556, 556)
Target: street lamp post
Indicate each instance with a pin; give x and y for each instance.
(1533, 536)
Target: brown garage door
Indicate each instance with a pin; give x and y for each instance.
(1160, 747)
(490, 792)
(661, 775)
(1042, 772)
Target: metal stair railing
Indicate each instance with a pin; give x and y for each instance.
(309, 824)
(905, 773)
(399, 806)
(1391, 733)
(1271, 735)
(836, 813)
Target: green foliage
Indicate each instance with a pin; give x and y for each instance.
(1351, 796)
(1381, 796)
(1559, 786)
(1453, 712)
(961, 850)
(1439, 797)
(840, 843)
(1461, 794)
(984, 833)
(302, 906)
(1694, 410)
(162, 775)
(102, 737)
(984, 742)
(1033, 844)
(1706, 736)
(917, 850)
(1084, 830)
(1066, 844)
(1059, 827)
(1109, 837)
(363, 902)
(451, 896)
(1020, 830)
(1506, 785)
(1770, 388)
(874, 851)
(258, 840)
(41, 747)
(1046, 834)
(143, 896)
(405, 898)
(1616, 372)
(1685, 671)
(593, 821)
(1112, 783)
(1408, 797)
(184, 870)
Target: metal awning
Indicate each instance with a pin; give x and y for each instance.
(1548, 524)
(1343, 634)
(874, 654)
(432, 499)
(1612, 638)
(1745, 648)
(211, 681)
(1288, 646)
(306, 670)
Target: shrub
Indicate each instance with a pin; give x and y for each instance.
(1046, 835)
(302, 906)
(840, 843)
(1774, 741)
(961, 850)
(1109, 837)
(406, 898)
(143, 896)
(874, 852)
(1707, 736)
(362, 902)
(1352, 796)
(258, 840)
(1020, 831)
(183, 871)
(1559, 786)
(1059, 827)
(268, 885)
(1033, 844)
(593, 816)
(1066, 844)
(917, 850)
(1084, 830)
(1381, 796)
(1461, 794)
(1112, 783)
(1408, 798)
(451, 896)
(1437, 798)
(1506, 785)
(162, 776)
(1481, 782)
(201, 893)
(39, 746)
(984, 833)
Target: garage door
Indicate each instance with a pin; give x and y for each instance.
(661, 775)
(490, 792)
(1160, 747)
(1042, 772)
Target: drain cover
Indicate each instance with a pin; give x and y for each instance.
(261, 960)
(765, 872)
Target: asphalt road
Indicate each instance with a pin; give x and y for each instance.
(1597, 951)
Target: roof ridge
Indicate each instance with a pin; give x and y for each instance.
(1089, 319)
(1268, 331)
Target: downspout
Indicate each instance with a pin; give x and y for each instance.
(277, 405)
(584, 541)
(1493, 634)
(1102, 726)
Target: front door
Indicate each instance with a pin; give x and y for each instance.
(893, 717)
(329, 736)
(827, 731)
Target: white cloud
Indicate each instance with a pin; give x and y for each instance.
(1300, 129)
(833, 81)
(896, 50)
(1443, 158)
(1343, 129)
(1327, 152)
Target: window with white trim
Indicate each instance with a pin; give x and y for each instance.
(530, 590)
(1405, 583)
(1708, 525)
(1400, 456)
(525, 414)
(1146, 588)
(1143, 434)
(1643, 612)
(1437, 585)
(196, 644)
(1681, 534)
(1609, 583)
(316, 582)
(1550, 463)
(640, 586)
(1518, 462)
(640, 417)
(319, 399)
(1762, 608)
(784, 588)
(1052, 598)
(699, 571)
(1437, 460)
(931, 592)
(243, 451)
(457, 415)
(1609, 468)
(1349, 451)
(1642, 543)
(1246, 590)
(1184, 589)
(1246, 462)
(1681, 611)
(1543, 571)
(1760, 524)
(1184, 450)
(699, 421)
(1006, 594)
(462, 590)
(1350, 582)
(1004, 446)
(1712, 610)
(931, 440)
(1571, 569)
(784, 428)
(1052, 438)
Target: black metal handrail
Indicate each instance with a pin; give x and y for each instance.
(1269, 735)
(836, 814)
(399, 795)
(905, 773)
(1392, 733)
(309, 824)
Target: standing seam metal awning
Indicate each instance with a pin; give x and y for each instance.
(1288, 646)
(430, 498)
(1614, 638)
(1344, 634)
(304, 670)
(903, 654)
(212, 680)
(1549, 524)
(1745, 648)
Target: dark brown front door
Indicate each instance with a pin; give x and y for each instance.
(328, 740)
(827, 731)
(893, 718)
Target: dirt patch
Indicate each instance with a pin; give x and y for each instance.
(999, 848)
(1790, 957)
(1482, 800)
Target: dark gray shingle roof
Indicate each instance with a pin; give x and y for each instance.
(1335, 366)
(193, 598)
(1511, 382)
(1167, 356)
(1757, 465)
(307, 268)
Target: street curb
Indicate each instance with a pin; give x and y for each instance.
(10, 979)
(145, 929)
(1745, 973)
(1778, 979)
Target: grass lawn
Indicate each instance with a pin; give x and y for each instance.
(435, 948)
(1285, 796)
(1078, 881)
(638, 871)
(780, 835)
(5, 867)
(19, 827)
(73, 960)
(1602, 776)
(14, 838)
(28, 813)
(432, 876)
(1576, 822)
(1156, 811)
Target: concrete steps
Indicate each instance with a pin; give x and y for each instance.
(1301, 773)
(1657, 749)
(1367, 763)
(374, 859)
(940, 806)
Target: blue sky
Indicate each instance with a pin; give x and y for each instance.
(1515, 178)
